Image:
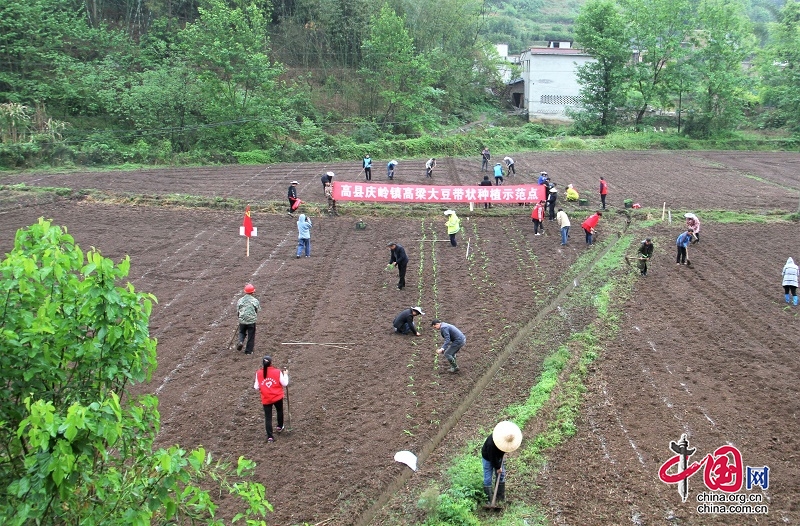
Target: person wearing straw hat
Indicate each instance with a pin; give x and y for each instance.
(404, 322)
(270, 382)
(294, 202)
(453, 225)
(505, 438)
(327, 178)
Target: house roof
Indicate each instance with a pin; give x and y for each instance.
(556, 51)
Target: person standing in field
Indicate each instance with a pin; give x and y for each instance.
(454, 340)
(294, 202)
(331, 201)
(537, 216)
(429, 166)
(645, 253)
(486, 182)
(682, 243)
(453, 225)
(367, 163)
(247, 312)
(603, 192)
(485, 156)
(563, 223)
(398, 258)
(498, 174)
(270, 382)
(552, 197)
(303, 236)
(510, 170)
(791, 274)
(589, 226)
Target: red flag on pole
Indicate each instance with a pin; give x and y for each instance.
(248, 223)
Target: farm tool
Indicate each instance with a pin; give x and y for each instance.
(233, 337)
(288, 426)
(494, 506)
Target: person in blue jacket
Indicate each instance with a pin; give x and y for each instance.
(498, 174)
(303, 236)
(683, 242)
(454, 340)
(367, 167)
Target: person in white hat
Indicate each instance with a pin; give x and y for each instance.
(294, 202)
(505, 438)
(327, 177)
(453, 225)
(693, 223)
(390, 169)
(404, 322)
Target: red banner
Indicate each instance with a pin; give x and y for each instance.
(347, 191)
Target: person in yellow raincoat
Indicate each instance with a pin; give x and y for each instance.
(453, 225)
(572, 194)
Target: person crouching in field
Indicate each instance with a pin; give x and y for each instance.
(790, 279)
(270, 382)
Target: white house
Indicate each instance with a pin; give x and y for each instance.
(550, 80)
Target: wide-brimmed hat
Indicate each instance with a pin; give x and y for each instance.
(418, 309)
(507, 436)
(295, 182)
(448, 212)
(330, 174)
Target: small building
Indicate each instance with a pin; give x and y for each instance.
(549, 76)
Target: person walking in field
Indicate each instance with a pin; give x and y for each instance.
(367, 164)
(510, 170)
(645, 252)
(485, 156)
(454, 340)
(404, 322)
(589, 226)
(791, 275)
(537, 216)
(247, 312)
(399, 259)
(453, 225)
(303, 236)
(505, 438)
(498, 174)
(693, 223)
(294, 202)
(563, 224)
(429, 166)
(270, 382)
(682, 243)
(603, 192)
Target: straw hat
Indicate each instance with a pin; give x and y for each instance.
(507, 436)
(448, 212)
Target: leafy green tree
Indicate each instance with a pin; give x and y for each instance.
(658, 30)
(601, 32)
(400, 78)
(75, 448)
(780, 67)
(722, 43)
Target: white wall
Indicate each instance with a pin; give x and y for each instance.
(551, 84)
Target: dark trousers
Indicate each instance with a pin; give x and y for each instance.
(268, 416)
(401, 271)
(368, 173)
(551, 211)
(453, 240)
(537, 225)
(681, 255)
(603, 200)
(498, 181)
(249, 331)
(511, 169)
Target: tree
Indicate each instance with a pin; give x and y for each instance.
(658, 30)
(722, 43)
(75, 448)
(780, 67)
(399, 77)
(601, 32)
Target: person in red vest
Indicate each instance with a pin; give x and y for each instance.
(270, 381)
(603, 192)
(589, 226)
(537, 216)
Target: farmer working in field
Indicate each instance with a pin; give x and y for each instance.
(589, 226)
(247, 311)
(398, 258)
(505, 438)
(404, 322)
(453, 225)
(454, 340)
(645, 253)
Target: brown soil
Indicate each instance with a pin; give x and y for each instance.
(708, 350)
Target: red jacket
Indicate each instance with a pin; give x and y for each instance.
(603, 188)
(590, 222)
(538, 213)
(271, 388)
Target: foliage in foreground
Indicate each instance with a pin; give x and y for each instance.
(73, 449)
